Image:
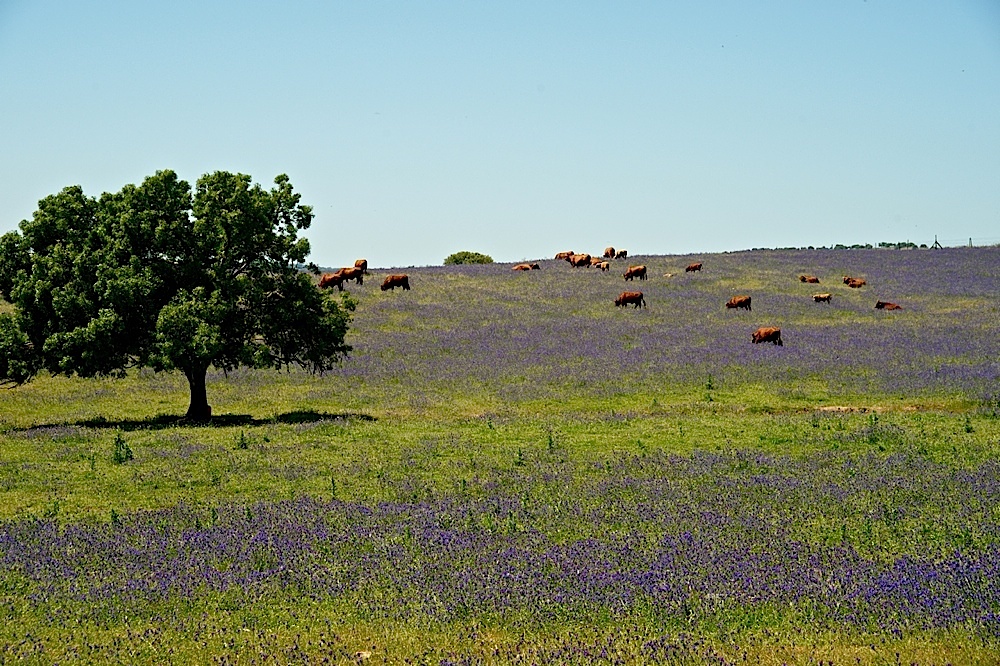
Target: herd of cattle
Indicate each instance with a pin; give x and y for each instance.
(357, 272)
(634, 298)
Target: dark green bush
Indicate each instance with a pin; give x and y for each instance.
(466, 257)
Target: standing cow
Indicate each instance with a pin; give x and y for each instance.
(767, 334)
(393, 281)
(737, 302)
(633, 297)
(635, 272)
(335, 279)
(609, 253)
(693, 267)
(353, 273)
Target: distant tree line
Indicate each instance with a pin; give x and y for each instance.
(902, 245)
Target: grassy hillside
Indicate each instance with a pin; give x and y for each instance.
(509, 467)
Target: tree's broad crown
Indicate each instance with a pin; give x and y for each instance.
(160, 276)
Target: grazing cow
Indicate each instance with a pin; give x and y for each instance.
(635, 272)
(335, 279)
(594, 261)
(526, 267)
(737, 302)
(767, 334)
(578, 260)
(822, 298)
(621, 254)
(633, 297)
(609, 253)
(603, 266)
(885, 305)
(856, 283)
(811, 279)
(693, 267)
(362, 264)
(564, 255)
(353, 273)
(399, 280)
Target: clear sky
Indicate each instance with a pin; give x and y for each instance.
(520, 129)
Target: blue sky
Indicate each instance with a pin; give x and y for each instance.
(520, 129)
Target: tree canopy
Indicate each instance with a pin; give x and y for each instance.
(467, 257)
(162, 277)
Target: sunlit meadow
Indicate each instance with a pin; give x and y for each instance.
(510, 469)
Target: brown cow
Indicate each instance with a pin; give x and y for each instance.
(693, 267)
(767, 334)
(737, 302)
(633, 297)
(635, 272)
(811, 279)
(526, 267)
(885, 305)
(335, 279)
(621, 254)
(362, 264)
(578, 260)
(603, 266)
(609, 253)
(399, 280)
(353, 273)
(822, 298)
(594, 261)
(856, 283)
(564, 255)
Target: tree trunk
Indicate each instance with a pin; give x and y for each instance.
(199, 409)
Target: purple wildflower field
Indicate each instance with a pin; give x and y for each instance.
(525, 332)
(679, 544)
(639, 555)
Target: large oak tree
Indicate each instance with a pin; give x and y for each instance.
(162, 277)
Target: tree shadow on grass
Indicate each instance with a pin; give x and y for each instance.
(162, 421)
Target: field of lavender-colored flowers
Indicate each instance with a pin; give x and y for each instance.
(509, 469)
(538, 333)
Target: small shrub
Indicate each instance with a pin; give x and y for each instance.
(122, 452)
(466, 257)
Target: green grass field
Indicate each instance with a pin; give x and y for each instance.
(526, 419)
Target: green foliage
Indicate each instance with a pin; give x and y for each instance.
(466, 257)
(157, 276)
(122, 452)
